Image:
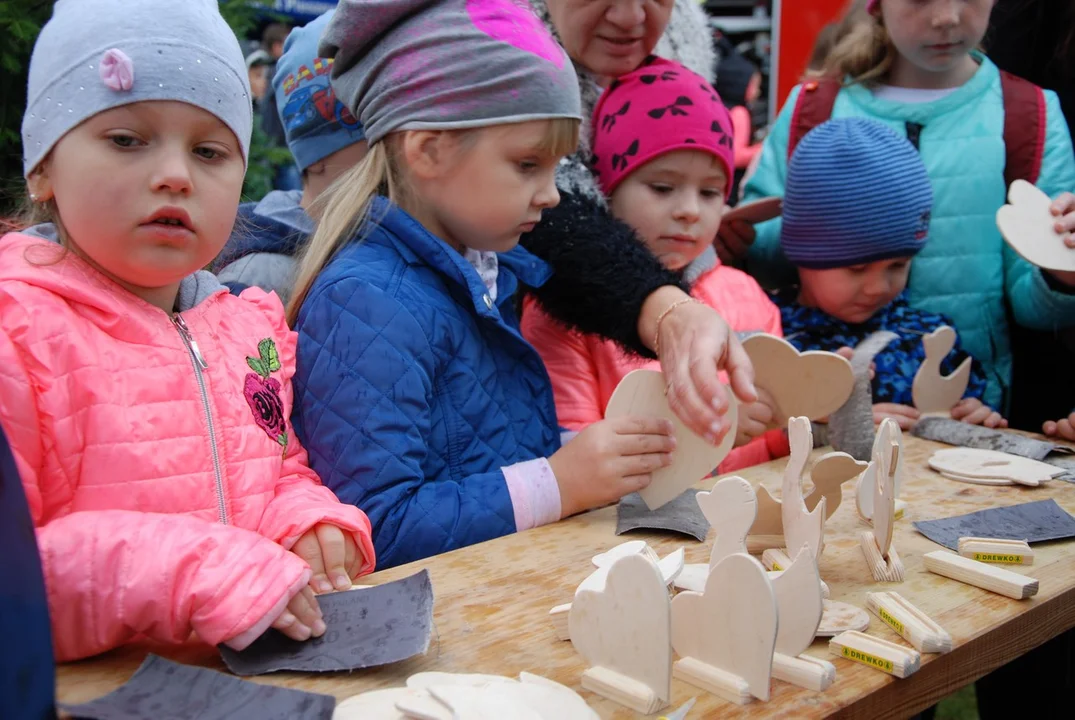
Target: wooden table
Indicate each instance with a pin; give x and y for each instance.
(493, 599)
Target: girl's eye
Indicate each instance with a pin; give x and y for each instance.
(207, 153)
(712, 194)
(660, 188)
(124, 141)
(527, 166)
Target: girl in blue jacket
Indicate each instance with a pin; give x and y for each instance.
(913, 65)
(417, 397)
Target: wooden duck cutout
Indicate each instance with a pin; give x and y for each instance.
(931, 391)
(801, 527)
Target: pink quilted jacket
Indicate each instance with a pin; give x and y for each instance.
(164, 478)
(586, 369)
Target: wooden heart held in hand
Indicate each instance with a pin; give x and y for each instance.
(641, 392)
(1029, 227)
(625, 625)
(812, 384)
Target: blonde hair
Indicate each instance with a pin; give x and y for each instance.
(343, 209)
(861, 48)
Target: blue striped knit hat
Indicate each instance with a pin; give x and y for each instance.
(856, 193)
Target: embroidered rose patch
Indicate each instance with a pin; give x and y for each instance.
(262, 392)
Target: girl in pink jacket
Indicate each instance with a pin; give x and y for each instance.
(147, 408)
(663, 155)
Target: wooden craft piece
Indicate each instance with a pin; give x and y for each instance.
(777, 561)
(534, 698)
(881, 557)
(909, 622)
(996, 552)
(558, 616)
(978, 481)
(974, 464)
(572, 705)
(931, 391)
(730, 508)
(888, 432)
(840, 617)
(801, 527)
(693, 577)
(622, 630)
(642, 392)
(799, 604)
(828, 475)
(812, 384)
(380, 705)
(876, 653)
(988, 577)
(756, 211)
(1028, 227)
(725, 636)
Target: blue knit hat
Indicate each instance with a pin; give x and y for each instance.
(856, 193)
(316, 124)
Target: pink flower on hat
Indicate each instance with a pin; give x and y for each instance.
(117, 70)
(514, 22)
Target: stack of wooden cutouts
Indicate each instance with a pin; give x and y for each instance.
(991, 467)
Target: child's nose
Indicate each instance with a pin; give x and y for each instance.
(688, 209)
(172, 173)
(947, 13)
(548, 196)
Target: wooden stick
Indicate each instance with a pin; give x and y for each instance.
(622, 690)
(759, 543)
(775, 559)
(912, 624)
(876, 653)
(804, 671)
(994, 551)
(721, 683)
(979, 574)
(890, 570)
(558, 616)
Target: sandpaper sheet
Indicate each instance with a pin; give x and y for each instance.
(164, 690)
(366, 628)
(681, 515)
(1034, 522)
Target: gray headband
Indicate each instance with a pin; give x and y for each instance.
(446, 64)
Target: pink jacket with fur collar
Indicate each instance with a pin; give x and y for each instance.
(165, 492)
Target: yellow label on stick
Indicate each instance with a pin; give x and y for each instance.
(867, 659)
(896, 624)
(999, 558)
(776, 567)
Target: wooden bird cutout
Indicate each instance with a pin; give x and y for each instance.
(730, 507)
(932, 392)
(828, 475)
(888, 432)
(801, 527)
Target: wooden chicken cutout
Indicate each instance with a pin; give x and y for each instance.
(932, 392)
(885, 564)
(642, 392)
(801, 527)
(622, 631)
(730, 508)
(812, 384)
(798, 597)
(725, 636)
(887, 433)
(1030, 228)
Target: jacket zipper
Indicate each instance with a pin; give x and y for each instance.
(200, 366)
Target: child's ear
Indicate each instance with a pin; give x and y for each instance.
(39, 184)
(426, 153)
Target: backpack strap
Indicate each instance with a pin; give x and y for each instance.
(813, 107)
(1024, 128)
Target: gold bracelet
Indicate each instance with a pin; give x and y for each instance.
(660, 319)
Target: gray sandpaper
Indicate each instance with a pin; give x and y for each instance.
(1034, 522)
(851, 427)
(164, 690)
(366, 628)
(953, 432)
(681, 515)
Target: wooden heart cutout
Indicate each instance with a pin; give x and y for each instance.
(888, 432)
(495, 701)
(730, 508)
(799, 601)
(732, 625)
(801, 527)
(828, 475)
(1028, 227)
(624, 626)
(641, 392)
(381, 704)
(813, 384)
(931, 391)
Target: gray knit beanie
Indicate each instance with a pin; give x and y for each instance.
(95, 55)
(446, 64)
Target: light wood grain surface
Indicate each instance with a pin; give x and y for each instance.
(492, 602)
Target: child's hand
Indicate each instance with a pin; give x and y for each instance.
(973, 412)
(847, 353)
(1063, 428)
(755, 418)
(733, 241)
(301, 619)
(905, 415)
(610, 459)
(332, 556)
(1063, 209)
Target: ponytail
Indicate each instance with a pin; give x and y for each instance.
(862, 49)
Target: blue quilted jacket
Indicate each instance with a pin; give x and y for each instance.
(966, 271)
(414, 388)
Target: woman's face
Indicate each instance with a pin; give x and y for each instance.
(610, 37)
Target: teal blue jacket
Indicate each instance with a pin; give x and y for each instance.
(966, 271)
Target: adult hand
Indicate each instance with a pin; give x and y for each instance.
(733, 241)
(332, 556)
(973, 412)
(1063, 209)
(905, 415)
(1063, 428)
(694, 345)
